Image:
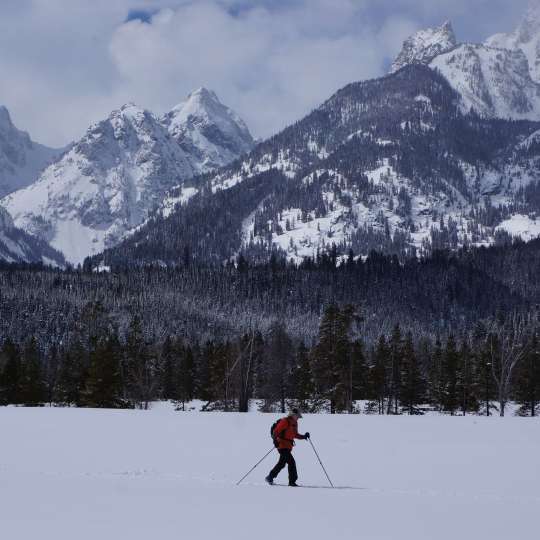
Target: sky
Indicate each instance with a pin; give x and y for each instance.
(68, 63)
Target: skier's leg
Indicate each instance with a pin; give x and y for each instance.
(293, 473)
(280, 464)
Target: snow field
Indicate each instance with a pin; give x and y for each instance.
(87, 474)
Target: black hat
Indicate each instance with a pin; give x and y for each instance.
(296, 412)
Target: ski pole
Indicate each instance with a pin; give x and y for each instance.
(255, 466)
(320, 462)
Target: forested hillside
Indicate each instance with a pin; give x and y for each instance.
(324, 333)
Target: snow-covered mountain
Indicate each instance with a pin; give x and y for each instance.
(110, 180)
(104, 186)
(393, 164)
(525, 38)
(18, 246)
(497, 79)
(21, 159)
(494, 83)
(423, 46)
(211, 134)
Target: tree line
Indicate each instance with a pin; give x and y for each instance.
(436, 295)
(478, 372)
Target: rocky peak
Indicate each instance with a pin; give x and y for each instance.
(423, 46)
(525, 38)
(5, 118)
(204, 95)
(209, 131)
(495, 83)
(21, 159)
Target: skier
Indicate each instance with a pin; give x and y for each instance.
(285, 432)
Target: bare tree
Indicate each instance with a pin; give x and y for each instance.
(507, 343)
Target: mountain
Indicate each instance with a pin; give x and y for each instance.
(393, 164)
(211, 134)
(103, 186)
(493, 79)
(526, 38)
(425, 45)
(18, 246)
(492, 82)
(21, 159)
(109, 181)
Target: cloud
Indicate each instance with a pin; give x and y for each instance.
(270, 66)
(67, 63)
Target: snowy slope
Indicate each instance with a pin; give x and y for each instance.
(17, 246)
(492, 82)
(87, 474)
(21, 159)
(211, 134)
(525, 38)
(425, 45)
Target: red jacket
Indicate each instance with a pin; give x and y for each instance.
(285, 432)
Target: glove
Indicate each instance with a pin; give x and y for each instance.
(306, 436)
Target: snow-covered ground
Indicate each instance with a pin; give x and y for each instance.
(87, 474)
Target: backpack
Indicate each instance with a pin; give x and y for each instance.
(272, 434)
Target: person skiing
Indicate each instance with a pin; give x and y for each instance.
(284, 433)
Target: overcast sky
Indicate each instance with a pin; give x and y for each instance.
(67, 63)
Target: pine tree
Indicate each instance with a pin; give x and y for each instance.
(71, 375)
(278, 367)
(332, 358)
(202, 379)
(186, 376)
(378, 374)
(325, 370)
(467, 382)
(394, 377)
(527, 384)
(32, 379)
(103, 386)
(10, 373)
(258, 362)
(141, 366)
(435, 377)
(51, 372)
(451, 362)
(169, 360)
(359, 373)
(486, 385)
(412, 390)
(302, 380)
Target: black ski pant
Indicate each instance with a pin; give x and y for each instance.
(285, 458)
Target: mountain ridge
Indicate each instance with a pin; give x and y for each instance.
(423, 46)
(110, 180)
(499, 78)
(392, 164)
(21, 159)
